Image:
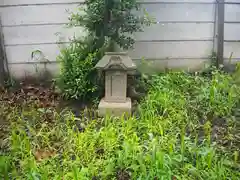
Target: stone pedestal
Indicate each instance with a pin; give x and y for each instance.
(116, 109)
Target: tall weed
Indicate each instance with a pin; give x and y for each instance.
(174, 137)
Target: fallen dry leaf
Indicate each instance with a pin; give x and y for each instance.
(42, 154)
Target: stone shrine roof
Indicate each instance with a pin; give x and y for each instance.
(119, 60)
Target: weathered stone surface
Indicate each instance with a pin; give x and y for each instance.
(116, 60)
(115, 109)
(115, 86)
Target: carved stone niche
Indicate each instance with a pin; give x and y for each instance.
(116, 67)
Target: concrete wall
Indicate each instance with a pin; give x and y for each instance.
(232, 30)
(182, 38)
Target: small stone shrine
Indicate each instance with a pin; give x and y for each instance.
(116, 66)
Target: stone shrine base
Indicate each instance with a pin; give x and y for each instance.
(115, 109)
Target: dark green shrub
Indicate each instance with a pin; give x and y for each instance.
(105, 21)
(115, 20)
(78, 78)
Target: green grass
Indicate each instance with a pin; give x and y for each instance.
(187, 127)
